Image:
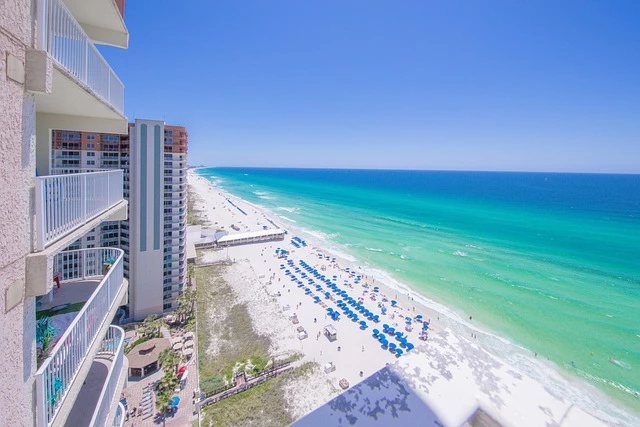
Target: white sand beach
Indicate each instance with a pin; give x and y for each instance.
(451, 373)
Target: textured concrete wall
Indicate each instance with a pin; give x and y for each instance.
(17, 157)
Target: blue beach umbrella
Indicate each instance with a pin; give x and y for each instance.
(399, 352)
(376, 332)
(393, 302)
(329, 309)
(410, 346)
(327, 294)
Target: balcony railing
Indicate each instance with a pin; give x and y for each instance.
(59, 370)
(118, 421)
(113, 343)
(66, 202)
(67, 43)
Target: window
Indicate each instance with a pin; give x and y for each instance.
(91, 153)
(71, 136)
(168, 140)
(91, 162)
(110, 138)
(91, 145)
(168, 132)
(166, 306)
(90, 238)
(91, 136)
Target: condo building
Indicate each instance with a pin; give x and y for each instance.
(153, 158)
(62, 360)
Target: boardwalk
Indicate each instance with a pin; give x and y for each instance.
(245, 384)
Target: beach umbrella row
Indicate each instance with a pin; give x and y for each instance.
(350, 301)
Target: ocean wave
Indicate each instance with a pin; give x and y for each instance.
(286, 209)
(460, 253)
(404, 221)
(473, 246)
(320, 235)
(374, 249)
(286, 218)
(264, 195)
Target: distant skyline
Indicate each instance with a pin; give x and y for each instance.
(446, 85)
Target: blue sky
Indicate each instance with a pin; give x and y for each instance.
(465, 85)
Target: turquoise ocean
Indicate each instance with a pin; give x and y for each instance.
(550, 262)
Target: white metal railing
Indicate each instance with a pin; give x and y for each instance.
(112, 343)
(65, 170)
(58, 371)
(63, 38)
(118, 421)
(66, 202)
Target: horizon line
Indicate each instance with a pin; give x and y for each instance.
(413, 170)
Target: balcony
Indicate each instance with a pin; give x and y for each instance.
(66, 203)
(82, 83)
(102, 386)
(102, 20)
(119, 418)
(84, 273)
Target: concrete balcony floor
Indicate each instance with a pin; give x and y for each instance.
(70, 292)
(87, 400)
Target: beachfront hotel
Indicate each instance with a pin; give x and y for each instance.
(153, 158)
(54, 77)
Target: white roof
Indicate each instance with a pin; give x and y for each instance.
(250, 235)
(330, 329)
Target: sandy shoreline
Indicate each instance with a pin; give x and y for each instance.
(259, 280)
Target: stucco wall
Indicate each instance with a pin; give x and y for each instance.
(17, 143)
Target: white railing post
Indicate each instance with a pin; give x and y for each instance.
(41, 416)
(83, 197)
(40, 215)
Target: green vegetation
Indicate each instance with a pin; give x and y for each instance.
(263, 405)
(149, 329)
(193, 214)
(169, 360)
(233, 334)
(72, 308)
(45, 332)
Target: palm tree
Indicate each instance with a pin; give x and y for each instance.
(151, 326)
(168, 359)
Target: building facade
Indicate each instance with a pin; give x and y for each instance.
(153, 158)
(47, 82)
